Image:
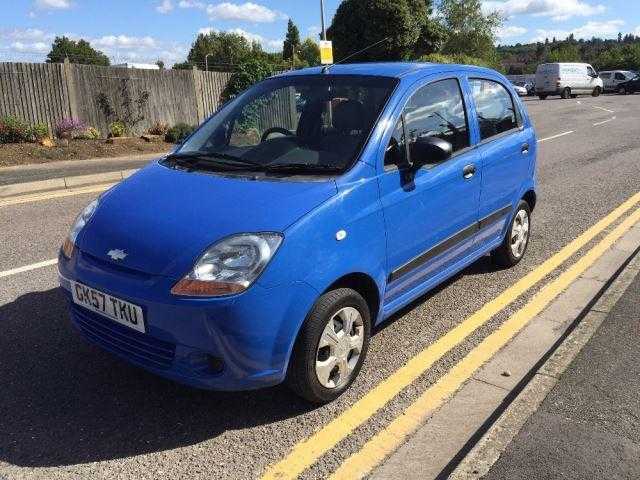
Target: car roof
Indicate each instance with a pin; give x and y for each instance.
(391, 69)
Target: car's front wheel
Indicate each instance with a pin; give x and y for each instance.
(596, 92)
(516, 240)
(622, 90)
(331, 346)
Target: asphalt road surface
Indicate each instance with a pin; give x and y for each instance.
(69, 410)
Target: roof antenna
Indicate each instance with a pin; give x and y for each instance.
(326, 68)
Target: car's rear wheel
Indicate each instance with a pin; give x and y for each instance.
(596, 92)
(622, 90)
(566, 93)
(542, 97)
(331, 346)
(516, 240)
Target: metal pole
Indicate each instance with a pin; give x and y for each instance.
(324, 31)
(206, 61)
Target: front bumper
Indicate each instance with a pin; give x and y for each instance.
(237, 342)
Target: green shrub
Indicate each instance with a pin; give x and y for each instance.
(37, 132)
(158, 128)
(117, 129)
(91, 133)
(178, 132)
(249, 72)
(12, 130)
(459, 58)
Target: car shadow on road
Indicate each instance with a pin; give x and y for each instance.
(65, 402)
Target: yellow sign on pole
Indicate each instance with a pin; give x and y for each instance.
(326, 52)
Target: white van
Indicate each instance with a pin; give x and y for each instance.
(567, 80)
(612, 78)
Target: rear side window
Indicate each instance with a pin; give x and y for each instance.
(605, 75)
(494, 106)
(620, 76)
(437, 110)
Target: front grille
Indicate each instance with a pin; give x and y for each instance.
(122, 340)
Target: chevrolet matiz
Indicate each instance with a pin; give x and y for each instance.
(305, 212)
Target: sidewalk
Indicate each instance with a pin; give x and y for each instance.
(588, 427)
(72, 168)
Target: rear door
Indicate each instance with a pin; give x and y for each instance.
(506, 147)
(431, 212)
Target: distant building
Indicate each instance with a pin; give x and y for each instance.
(142, 66)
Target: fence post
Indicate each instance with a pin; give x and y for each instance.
(197, 85)
(71, 87)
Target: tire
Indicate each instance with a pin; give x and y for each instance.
(574, 95)
(331, 310)
(542, 97)
(622, 90)
(505, 256)
(596, 92)
(566, 93)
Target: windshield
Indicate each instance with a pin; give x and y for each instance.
(296, 124)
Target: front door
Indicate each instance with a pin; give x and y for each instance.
(431, 213)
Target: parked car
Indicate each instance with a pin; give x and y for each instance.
(567, 80)
(268, 245)
(612, 78)
(630, 86)
(520, 89)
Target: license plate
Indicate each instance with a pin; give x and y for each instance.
(125, 313)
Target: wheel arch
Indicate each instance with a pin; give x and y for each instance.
(531, 198)
(365, 285)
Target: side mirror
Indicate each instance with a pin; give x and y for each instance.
(430, 150)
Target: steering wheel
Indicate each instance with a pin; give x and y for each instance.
(271, 130)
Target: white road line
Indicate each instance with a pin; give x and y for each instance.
(555, 136)
(26, 268)
(604, 121)
(602, 108)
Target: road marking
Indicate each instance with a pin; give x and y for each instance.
(26, 268)
(602, 108)
(36, 197)
(388, 440)
(604, 121)
(555, 136)
(306, 452)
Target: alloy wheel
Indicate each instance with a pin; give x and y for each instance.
(339, 348)
(519, 233)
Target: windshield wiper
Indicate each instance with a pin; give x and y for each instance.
(301, 168)
(191, 159)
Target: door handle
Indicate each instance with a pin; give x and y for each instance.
(525, 148)
(469, 171)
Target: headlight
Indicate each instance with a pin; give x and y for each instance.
(229, 266)
(79, 223)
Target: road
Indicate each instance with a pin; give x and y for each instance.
(69, 410)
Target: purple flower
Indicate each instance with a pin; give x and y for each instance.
(68, 127)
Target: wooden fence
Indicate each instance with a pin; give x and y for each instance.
(48, 92)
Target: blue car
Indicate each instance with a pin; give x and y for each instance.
(306, 211)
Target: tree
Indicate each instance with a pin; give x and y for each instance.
(291, 42)
(310, 52)
(249, 72)
(223, 49)
(470, 31)
(358, 24)
(79, 51)
(160, 64)
(565, 52)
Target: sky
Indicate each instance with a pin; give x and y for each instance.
(148, 30)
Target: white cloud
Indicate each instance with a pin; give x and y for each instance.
(26, 34)
(607, 29)
(268, 44)
(164, 7)
(34, 47)
(247, 12)
(192, 4)
(314, 31)
(558, 10)
(125, 42)
(510, 32)
(53, 4)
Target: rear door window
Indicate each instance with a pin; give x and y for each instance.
(620, 76)
(495, 108)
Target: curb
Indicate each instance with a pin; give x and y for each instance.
(63, 183)
(467, 434)
(499, 435)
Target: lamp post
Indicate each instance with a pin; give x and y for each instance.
(324, 31)
(206, 61)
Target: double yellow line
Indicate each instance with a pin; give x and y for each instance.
(305, 453)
